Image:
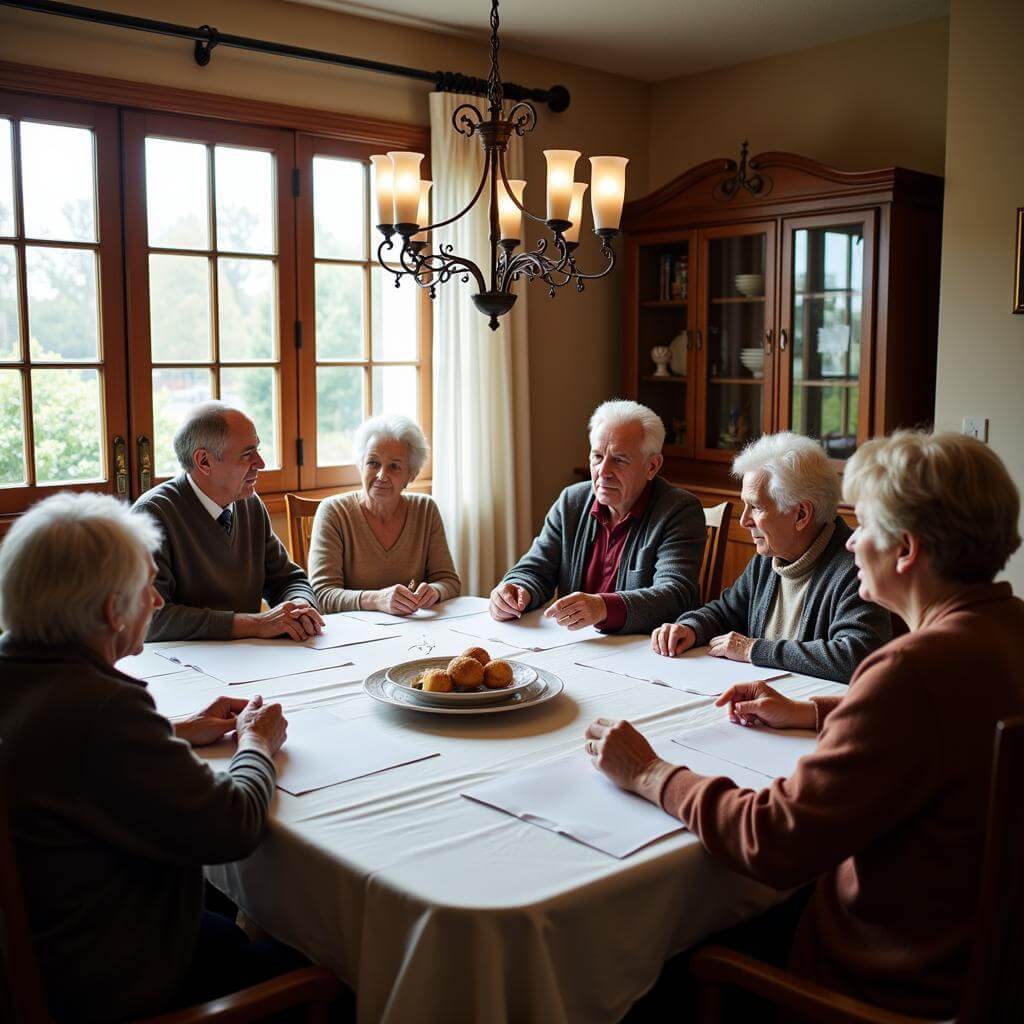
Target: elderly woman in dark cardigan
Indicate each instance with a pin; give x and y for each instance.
(796, 607)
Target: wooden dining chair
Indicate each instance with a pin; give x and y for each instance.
(313, 987)
(716, 520)
(994, 990)
(300, 512)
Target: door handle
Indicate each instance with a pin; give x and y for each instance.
(768, 336)
(121, 467)
(783, 340)
(700, 340)
(144, 451)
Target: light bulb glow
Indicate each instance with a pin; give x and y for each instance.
(406, 186)
(423, 211)
(561, 167)
(383, 187)
(510, 217)
(608, 177)
(572, 234)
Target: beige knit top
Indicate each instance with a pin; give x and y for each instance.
(346, 558)
(783, 619)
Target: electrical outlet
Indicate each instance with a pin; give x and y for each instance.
(975, 426)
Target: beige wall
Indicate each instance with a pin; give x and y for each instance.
(981, 344)
(873, 101)
(574, 340)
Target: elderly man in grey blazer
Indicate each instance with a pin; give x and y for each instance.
(796, 608)
(624, 550)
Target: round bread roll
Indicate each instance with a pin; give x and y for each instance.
(466, 673)
(497, 675)
(436, 680)
(476, 652)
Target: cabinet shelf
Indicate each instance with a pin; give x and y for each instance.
(650, 378)
(759, 381)
(664, 303)
(740, 300)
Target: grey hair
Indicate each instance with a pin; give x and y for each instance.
(63, 559)
(206, 426)
(796, 469)
(620, 411)
(393, 428)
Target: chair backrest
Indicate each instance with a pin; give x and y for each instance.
(300, 512)
(994, 992)
(20, 967)
(717, 520)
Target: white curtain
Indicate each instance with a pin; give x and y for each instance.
(481, 410)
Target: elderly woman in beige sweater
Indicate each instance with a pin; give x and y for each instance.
(380, 548)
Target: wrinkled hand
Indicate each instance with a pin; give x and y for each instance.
(758, 704)
(672, 639)
(508, 601)
(307, 617)
(577, 610)
(296, 619)
(624, 755)
(734, 646)
(261, 726)
(210, 724)
(396, 600)
(426, 595)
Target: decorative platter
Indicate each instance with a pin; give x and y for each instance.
(406, 673)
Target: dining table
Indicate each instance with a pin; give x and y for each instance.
(435, 908)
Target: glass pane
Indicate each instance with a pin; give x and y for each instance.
(339, 312)
(10, 341)
(735, 342)
(174, 393)
(179, 309)
(177, 194)
(828, 268)
(253, 389)
(63, 313)
(394, 317)
(339, 410)
(244, 185)
(339, 209)
(6, 178)
(395, 390)
(12, 430)
(67, 426)
(58, 182)
(247, 309)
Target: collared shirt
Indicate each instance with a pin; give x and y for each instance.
(205, 500)
(603, 564)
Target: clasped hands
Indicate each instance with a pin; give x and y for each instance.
(574, 611)
(399, 599)
(259, 726)
(296, 618)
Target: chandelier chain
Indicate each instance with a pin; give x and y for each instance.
(494, 89)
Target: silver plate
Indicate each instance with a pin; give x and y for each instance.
(403, 675)
(546, 687)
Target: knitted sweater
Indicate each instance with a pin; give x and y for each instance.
(206, 574)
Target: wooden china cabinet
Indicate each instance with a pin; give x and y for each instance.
(780, 294)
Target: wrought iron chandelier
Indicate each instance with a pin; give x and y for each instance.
(403, 206)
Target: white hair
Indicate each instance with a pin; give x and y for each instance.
(63, 559)
(393, 428)
(795, 469)
(621, 411)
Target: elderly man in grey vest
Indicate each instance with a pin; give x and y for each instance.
(796, 608)
(220, 556)
(624, 550)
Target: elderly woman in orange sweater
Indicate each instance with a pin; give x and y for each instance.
(887, 814)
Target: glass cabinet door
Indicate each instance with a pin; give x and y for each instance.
(733, 339)
(825, 329)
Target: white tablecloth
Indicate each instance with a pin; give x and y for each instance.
(435, 908)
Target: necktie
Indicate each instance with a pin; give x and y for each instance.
(225, 519)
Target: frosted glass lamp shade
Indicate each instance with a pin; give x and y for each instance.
(561, 168)
(406, 185)
(608, 178)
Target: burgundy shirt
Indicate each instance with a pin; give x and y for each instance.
(603, 564)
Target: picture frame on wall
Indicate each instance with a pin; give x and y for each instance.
(1018, 270)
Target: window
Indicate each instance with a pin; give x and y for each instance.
(61, 336)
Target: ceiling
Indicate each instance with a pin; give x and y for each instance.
(651, 40)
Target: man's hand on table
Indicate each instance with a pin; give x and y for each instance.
(577, 610)
(508, 601)
(261, 727)
(672, 639)
(297, 619)
(617, 749)
(734, 646)
(210, 724)
(759, 704)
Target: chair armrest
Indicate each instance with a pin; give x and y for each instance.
(716, 965)
(296, 988)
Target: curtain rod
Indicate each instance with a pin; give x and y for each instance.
(206, 38)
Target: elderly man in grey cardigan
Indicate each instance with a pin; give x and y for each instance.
(624, 550)
(796, 607)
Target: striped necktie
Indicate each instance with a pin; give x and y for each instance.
(225, 519)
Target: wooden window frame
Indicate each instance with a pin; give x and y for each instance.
(111, 364)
